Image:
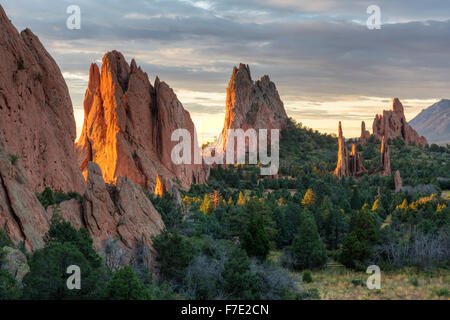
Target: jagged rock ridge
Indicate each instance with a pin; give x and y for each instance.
(392, 124)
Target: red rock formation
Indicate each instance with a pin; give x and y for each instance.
(398, 181)
(128, 126)
(120, 212)
(36, 115)
(385, 158)
(349, 164)
(365, 134)
(37, 125)
(252, 104)
(393, 124)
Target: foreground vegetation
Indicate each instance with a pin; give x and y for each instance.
(301, 235)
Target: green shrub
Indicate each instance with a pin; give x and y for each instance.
(358, 282)
(9, 288)
(414, 281)
(442, 292)
(13, 158)
(4, 239)
(307, 276)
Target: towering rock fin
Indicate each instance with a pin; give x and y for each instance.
(251, 105)
(129, 124)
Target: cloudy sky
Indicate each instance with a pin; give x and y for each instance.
(327, 65)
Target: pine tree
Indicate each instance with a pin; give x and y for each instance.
(255, 239)
(307, 249)
(124, 285)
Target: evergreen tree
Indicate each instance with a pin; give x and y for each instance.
(124, 285)
(307, 249)
(255, 239)
(237, 279)
(174, 253)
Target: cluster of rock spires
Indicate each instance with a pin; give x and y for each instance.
(392, 124)
(350, 163)
(126, 142)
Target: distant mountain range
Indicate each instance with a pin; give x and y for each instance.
(434, 122)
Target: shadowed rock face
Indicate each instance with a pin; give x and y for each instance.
(250, 104)
(365, 134)
(122, 211)
(21, 214)
(36, 114)
(393, 124)
(128, 127)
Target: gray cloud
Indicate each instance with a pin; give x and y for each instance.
(315, 51)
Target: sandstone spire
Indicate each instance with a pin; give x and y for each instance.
(36, 114)
(128, 127)
(341, 168)
(385, 158)
(252, 104)
(365, 134)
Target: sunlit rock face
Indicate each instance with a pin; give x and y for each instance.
(252, 104)
(393, 124)
(36, 114)
(128, 127)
